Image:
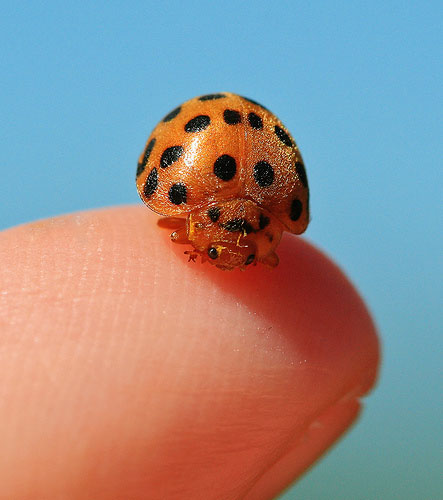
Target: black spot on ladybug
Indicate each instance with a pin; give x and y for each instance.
(263, 174)
(231, 116)
(296, 209)
(148, 150)
(225, 167)
(170, 116)
(151, 183)
(212, 252)
(214, 214)
(283, 136)
(250, 259)
(178, 193)
(254, 102)
(211, 97)
(170, 155)
(263, 221)
(255, 121)
(238, 225)
(301, 173)
(140, 168)
(198, 123)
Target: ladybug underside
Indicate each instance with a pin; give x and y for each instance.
(229, 178)
(236, 233)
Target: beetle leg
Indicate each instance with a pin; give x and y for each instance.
(180, 236)
(192, 255)
(171, 222)
(271, 260)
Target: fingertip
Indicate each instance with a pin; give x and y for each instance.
(192, 376)
(318, 436)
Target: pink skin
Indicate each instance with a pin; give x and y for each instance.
(128, 372)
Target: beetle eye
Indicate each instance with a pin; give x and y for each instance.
(212, 252)
(250, 260)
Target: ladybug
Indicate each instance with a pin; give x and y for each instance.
(229, 178)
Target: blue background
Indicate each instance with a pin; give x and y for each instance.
(357, 83)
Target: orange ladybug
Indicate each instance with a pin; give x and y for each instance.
(229, 178)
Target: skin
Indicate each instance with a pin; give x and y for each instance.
(128, 372)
